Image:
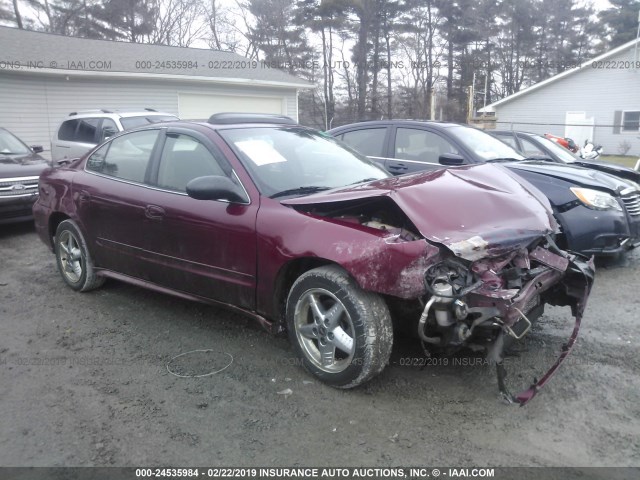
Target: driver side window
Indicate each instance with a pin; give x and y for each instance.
(183, 159)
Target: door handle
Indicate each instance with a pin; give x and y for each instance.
(84, 196)
(154, 212)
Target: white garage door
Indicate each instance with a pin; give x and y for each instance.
(194, 106)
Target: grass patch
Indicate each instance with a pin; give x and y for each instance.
(626, 160)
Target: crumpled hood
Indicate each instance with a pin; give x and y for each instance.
(476, 211)
(580, 176)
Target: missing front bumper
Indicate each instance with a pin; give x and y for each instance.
(578, 283)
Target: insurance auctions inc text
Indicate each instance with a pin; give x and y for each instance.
(371, 473)
(374, 472)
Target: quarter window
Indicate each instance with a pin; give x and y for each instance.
(421, 145)
(369, 142)
(67, 130)
(183, 159)
(126, 157)
(630, 121)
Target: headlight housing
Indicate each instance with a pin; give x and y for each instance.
(596, 199)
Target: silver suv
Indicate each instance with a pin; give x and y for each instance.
(84, 130)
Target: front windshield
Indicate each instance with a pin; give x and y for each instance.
(485, 146)
(10, 145)
(562, 153)
(283, 159)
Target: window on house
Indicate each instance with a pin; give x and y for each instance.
(631, 121)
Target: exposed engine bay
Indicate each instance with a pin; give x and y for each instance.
(490, 303)
(475, 297)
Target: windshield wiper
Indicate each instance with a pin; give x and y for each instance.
(300, 191)
(364, 180)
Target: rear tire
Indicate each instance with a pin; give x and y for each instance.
(342, 334)
(73, 258)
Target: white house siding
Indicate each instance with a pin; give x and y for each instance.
(32, 106)
(598, 92)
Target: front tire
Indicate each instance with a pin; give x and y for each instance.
(342, 333)
(73, 258)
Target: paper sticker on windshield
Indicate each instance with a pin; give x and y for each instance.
(260, 152)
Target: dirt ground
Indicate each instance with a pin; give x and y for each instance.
(84, 381)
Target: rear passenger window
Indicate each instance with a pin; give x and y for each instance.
(126, 157)
(369, 142)
(67, 130)
(87, 129)
(183, 159)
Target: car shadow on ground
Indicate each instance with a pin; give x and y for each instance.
(16, 229)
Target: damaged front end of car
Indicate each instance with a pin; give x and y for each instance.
(464, 256)
(487, 303)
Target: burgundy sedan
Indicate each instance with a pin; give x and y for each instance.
(287, 225)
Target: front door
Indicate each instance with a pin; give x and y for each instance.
(202, 247)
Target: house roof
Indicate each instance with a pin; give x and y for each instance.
(46, 53)
(566, 73)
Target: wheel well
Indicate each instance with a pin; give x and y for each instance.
(54, 220)
(287, 275)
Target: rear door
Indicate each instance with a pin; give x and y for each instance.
(112, 200)
(76, 137)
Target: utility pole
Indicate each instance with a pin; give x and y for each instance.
(635, 53)
(470, 104)
(432, 113)
(486, 81)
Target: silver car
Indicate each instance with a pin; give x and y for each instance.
(82, 131)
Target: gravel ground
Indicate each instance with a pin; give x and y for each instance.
(84, 383)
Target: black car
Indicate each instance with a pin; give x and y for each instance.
(599, 214)
(532, 145)
(20, 167)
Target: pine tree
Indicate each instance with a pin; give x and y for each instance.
(129, 20)
(621, 21)
(275, 34)
(6, 15)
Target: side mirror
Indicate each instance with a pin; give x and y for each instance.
(451, 159)
(215, 187)
(37, 148)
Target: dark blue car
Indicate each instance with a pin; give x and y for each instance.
(599, 213)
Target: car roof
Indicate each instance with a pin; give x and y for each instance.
(104, 113)
(199, 124)
(519, 132)
(400, 122)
